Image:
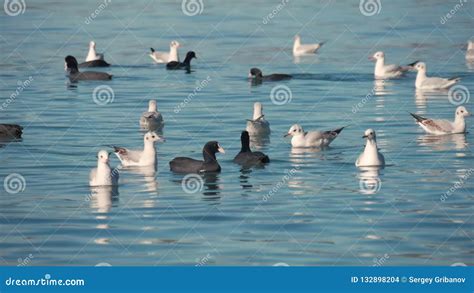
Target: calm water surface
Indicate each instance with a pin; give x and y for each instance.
(304, 208)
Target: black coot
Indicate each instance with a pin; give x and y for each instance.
(10, 131)
(75, 75)
(189, 165)
(257, 75)
(186, 64)
(246, 156)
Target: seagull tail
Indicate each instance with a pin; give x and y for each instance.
(417, 117)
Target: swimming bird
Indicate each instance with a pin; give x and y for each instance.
(186, 64)
(103, 174)
(371, 155)
(209, 164)
(307, 49)
(257, 75)
(383, 71)
(441, 126)
(246, 156)
(74, 74)
(94, 63)
(166, 57)
(258, 125)
(92, 55)
(152, 118)
(145, 157)
(424, 82)
(300, 138)
(10, 131)
(470, 51)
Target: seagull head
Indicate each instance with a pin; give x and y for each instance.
(152, 136)
(295, 130)
(377, 56)
(257, 110)
(175, 44)
(419, 66)
(461, 111)
(369, 134)
(103, 157)
(92, 44)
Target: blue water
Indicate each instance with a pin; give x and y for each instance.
(304, 208)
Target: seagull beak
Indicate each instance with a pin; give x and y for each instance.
(220, 149)
(364, 136)
(286, 134)
(161, 139)
(372, 58)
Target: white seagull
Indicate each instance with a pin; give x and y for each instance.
(258, 125)
(383, 71)
(166, 57)
(424, 82)
(371, 155)
(311, 138)
(152, 118)
(103, 174)
(145, 157)
(307, 49)
(441, 126)
(93, 55)
(470, 51)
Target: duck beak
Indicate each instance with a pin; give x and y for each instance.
(220, 149)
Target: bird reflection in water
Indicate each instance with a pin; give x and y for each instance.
(369, 180)
(102, 198)
(444, 142)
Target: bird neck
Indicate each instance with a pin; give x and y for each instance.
(370, 146)
(420, 77)
(92, 53)
(149, 147)
(208, 157)
(245, 146)
(379, 64)
(103, 168)
(297, 43)
(187, 60)
(152, 108)
(459, 119)
(257, 113)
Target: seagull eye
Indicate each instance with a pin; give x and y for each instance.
(152, 136)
